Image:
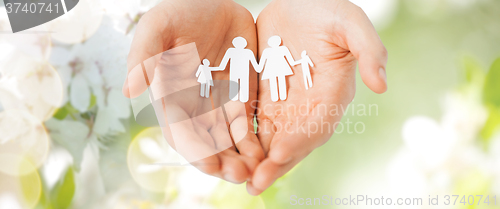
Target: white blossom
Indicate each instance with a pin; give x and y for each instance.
(436, 153)
(97, 67)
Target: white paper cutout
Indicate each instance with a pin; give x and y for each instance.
(239, 69)
(306, 72)
(276, 67)
(273, 59)
(167, 85)
(204, 75)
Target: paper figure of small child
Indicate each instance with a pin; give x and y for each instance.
(204, 75)
(305, 62)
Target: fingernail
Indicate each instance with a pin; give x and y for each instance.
(382, 74)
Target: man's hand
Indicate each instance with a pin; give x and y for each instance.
(336, 34)
(211, 25)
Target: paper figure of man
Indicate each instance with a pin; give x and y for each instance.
(306, 62)
(239, 69)
(204, 75)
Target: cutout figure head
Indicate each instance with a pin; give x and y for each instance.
(304, 53)
(206, 62)
(274, 41)
(239, 42)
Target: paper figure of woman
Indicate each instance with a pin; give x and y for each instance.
(275, 66)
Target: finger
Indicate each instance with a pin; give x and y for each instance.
(249, 145)
(222, 139)
(195, 149)
(228, 165)
(290, 148)
(295, 142)
(210, 165)
(233, 168)
(149, 41)
(365, 44)
(265, 133)
(252, 190)
(196, 144)
(192, 141)
(267, 173)
(242, 130)
(242, 134)
(251, 163)
(219, 157)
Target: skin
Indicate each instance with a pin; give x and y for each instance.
(212, 25)
(336, 35)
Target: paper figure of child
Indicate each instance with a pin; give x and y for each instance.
(305, 62)
(276, 67)
(204, 75)
(239, 69)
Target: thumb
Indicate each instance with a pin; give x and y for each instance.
(142, 60)
(366, 46)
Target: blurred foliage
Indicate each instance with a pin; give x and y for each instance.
(492, 124)
(30, 184)
(491, 98)
(68, 109)
(474, 73)
(230, 196)
(72, 135)
(491, 91)
(470, 184)
(487, 82)
(64, 111)
(279, 188)
(61, 195)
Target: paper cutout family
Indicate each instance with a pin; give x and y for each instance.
(273, 62)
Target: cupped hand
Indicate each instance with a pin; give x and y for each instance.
(162, 58)
(336, 34)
